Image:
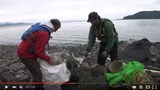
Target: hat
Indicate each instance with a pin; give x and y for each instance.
(56, 23)
(92, 16)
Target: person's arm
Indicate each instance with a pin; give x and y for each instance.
(110, 36)
(91, 39)
(41, 41)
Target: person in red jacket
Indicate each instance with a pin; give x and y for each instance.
(33, 45)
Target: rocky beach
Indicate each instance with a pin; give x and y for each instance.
(144, 51)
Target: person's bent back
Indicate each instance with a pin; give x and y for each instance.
(33, 45)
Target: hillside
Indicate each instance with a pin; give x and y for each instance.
(144, 15)
(13, 24)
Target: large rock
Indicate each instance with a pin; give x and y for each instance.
(138, 50)
(155, 53)
(17, 66)
(5, 76)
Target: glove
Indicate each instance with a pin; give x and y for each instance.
(104, 54)
(86, 53)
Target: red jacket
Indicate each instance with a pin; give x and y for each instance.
(40, 39)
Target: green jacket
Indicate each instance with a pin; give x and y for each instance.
(107, 33)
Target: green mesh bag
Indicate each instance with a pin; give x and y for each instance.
(125, 75)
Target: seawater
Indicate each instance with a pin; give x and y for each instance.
(77, 32)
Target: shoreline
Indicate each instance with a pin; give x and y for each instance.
(75, 44)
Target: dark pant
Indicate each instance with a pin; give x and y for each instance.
(34, 69)
(113, 53)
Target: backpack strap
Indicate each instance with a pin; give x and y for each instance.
(104, 20)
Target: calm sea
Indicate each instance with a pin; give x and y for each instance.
(77, 32)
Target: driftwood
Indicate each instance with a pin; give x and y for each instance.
(153, 71)
(155, 74)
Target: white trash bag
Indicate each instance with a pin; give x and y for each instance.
(54, 73)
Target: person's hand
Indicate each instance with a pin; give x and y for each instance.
(104, 54)
(55, 60)
(51, 62)
(58, 61)
(86, 53)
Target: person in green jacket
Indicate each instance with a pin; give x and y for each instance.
(105, 31)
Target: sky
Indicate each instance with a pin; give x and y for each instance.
(41, 10)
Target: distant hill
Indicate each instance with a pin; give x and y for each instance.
(144, 15)
(13, 24)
